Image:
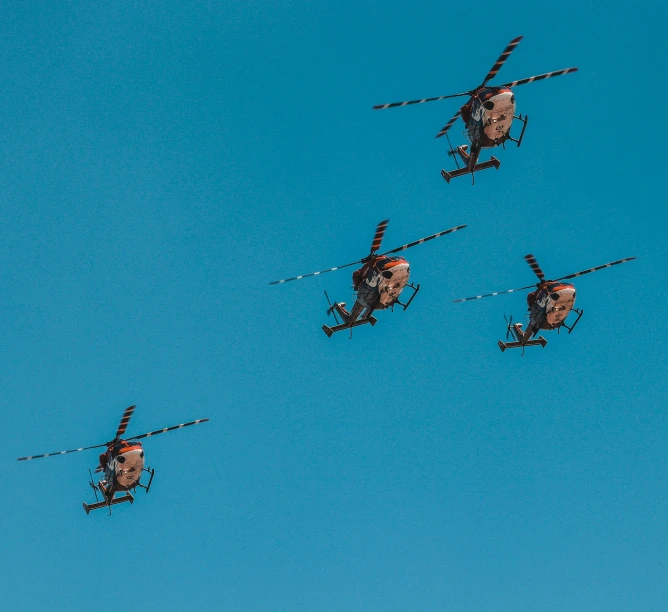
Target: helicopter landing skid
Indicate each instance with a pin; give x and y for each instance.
(524, 121)
(103, 504)
(492, 163)
(332, 330)
(147, 487)
(535, 342)
(572, 327)
(407, 304)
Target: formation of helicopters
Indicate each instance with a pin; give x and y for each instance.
(488, 115)
(380, 280)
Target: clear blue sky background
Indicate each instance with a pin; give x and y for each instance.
(163, 161)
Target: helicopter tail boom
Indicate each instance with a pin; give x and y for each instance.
(523, 338)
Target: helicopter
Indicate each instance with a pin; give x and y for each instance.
(378, 283)
(122, 464)
(487, 116)
(549, 305)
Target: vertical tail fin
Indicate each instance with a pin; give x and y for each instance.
(516, 330)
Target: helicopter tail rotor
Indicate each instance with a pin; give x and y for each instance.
(509, 326)
(331, 310)
(453, 152)
(93, 485)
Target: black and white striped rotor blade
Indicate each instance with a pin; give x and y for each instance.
(448, 125)
(166, 429)
(285, 280)
(477, 297)
(378, 236)
(74, 450)
(608, 265)
(422, 101)
(535, 266)
(125, 419)
(540, 77)
(502, 59)
(412, 244)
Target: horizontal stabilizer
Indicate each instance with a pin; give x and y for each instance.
(535, 342)
(104, 504)
(332, 330)
(492, 163)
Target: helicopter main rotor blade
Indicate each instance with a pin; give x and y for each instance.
(74, 450)
(159, 431)
(477, 297)
(423, 100)
(285, 280)
(533, 263)
(502, 59)
(449, 124)
(125, 419)
(608, 265)
(412, 244)
(540, 77)
(378, 236)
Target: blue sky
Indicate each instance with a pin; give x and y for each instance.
(162, 162)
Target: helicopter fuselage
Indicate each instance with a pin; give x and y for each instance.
(550, 305)
(124, 466)
(382, 282)
(488, 116)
